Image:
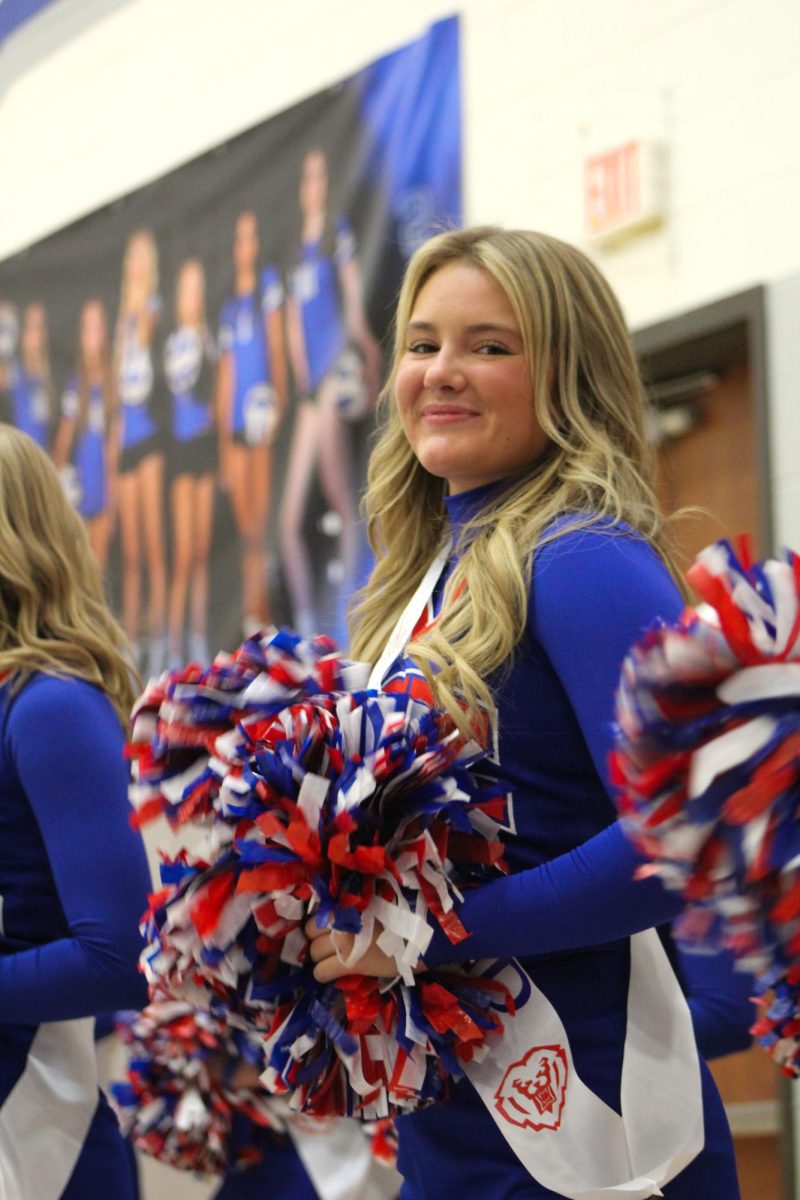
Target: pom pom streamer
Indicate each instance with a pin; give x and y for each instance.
(176, 1104)
(707, 766)
(189, 728)
(364, 808)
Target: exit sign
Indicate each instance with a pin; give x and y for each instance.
(624, 190)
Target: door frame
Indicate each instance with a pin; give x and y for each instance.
(710, 338)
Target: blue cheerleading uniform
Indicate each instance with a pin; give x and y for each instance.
(279, 1176)
(89, 450)
(136, 384)
(242, 334)
(314, 284)
(189, 362)
(571, 902)
(73, 885)
(30, 405)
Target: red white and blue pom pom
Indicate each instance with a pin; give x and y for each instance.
(176, 1105)
(189, 728)
(362, 808)
(708, 770)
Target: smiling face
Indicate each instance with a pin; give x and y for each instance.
(92, 332)
(245, 241)
(314, 184)
(463, 388)
(34, 335)
(190, 293)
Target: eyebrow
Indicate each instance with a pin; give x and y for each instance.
(483, 327)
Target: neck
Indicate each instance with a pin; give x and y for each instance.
(313, 227)
(246, 281)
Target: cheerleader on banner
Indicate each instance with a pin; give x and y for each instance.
(336, 365)
(251, 397)
(82, 450)
(519, 552)
(138, 444)
(189, 363)
(30, 378)
(73, 874)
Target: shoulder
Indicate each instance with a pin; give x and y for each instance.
(61, 704)
(599, 571)
(571, 544)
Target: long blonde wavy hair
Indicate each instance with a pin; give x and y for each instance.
(589, 402)
(53, 615)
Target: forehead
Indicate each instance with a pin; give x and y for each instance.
(462, 291)
(314, 163)
(93, 310)
(141, 243)
(246, 223)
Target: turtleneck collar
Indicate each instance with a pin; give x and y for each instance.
(463, 507)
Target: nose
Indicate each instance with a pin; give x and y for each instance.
(444, 372)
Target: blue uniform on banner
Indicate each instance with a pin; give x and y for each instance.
(569, 920)
(73, 882)
(89, 450)
(188, 362)
(136, 381)
(315, 286)
(30, 405)
(242, 333)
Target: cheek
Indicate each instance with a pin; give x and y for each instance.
(408, 384)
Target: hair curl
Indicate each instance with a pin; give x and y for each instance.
(589, 402)
(53, 614)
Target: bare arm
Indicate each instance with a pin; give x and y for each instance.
(357, 325)
(297, 346)
(224, 408)
(273, 323)
(62, 445)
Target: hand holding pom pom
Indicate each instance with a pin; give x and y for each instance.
(331, 950)
(361, 808)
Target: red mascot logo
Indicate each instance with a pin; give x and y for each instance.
(534, 1089)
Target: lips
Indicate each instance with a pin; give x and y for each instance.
(444, 413)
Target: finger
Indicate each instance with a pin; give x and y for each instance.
(330, 969)
(313, 930)
(322, 947)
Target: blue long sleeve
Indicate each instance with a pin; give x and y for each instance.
(583, 898)
(63, 745)
(593, 592)
(720, 1001)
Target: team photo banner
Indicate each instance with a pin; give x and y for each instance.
(202, 357)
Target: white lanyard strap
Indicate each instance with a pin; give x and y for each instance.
(401, 634)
